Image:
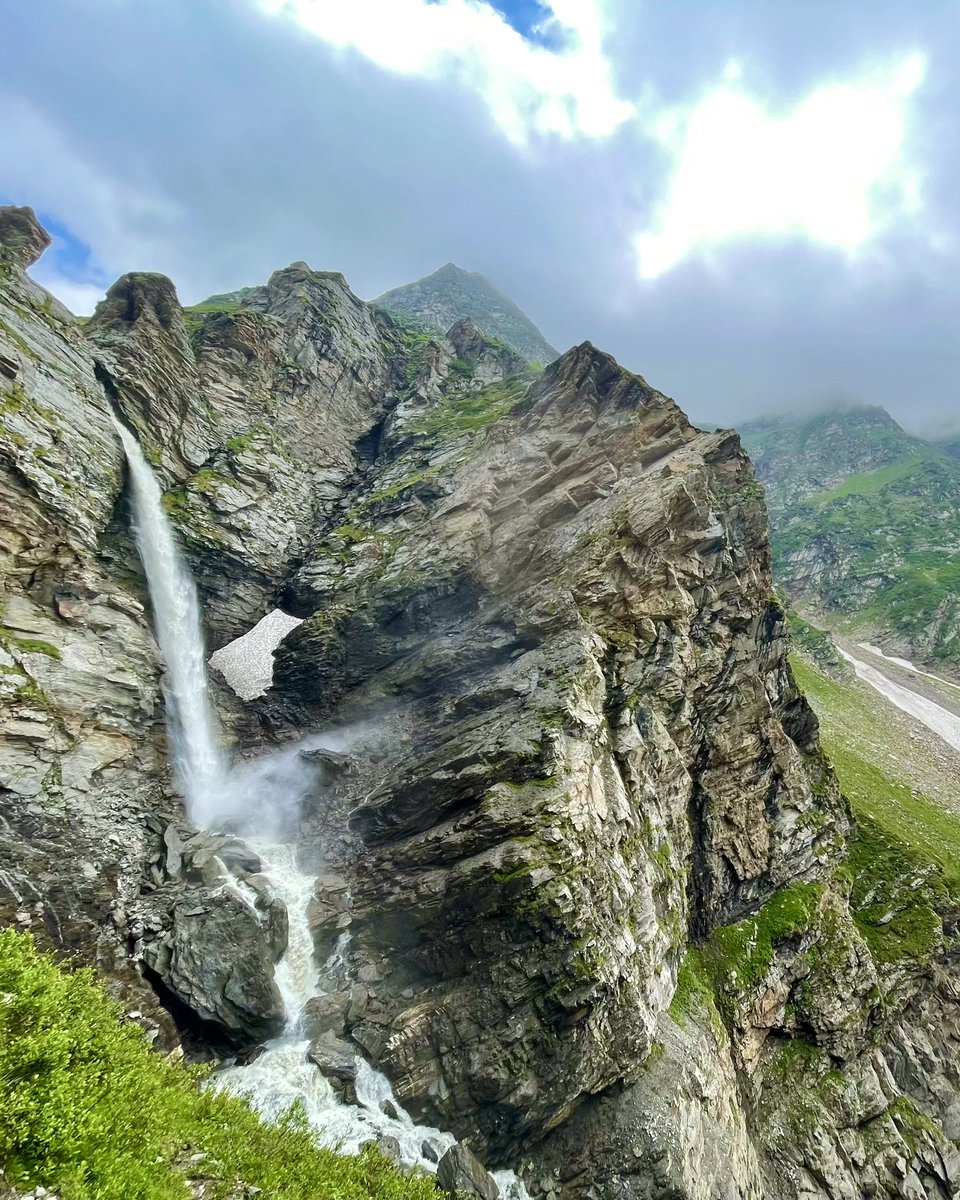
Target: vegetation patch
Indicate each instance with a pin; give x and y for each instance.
(694, 994)
(903, 867)
(461, 413)
(870, 483)
(816, 644)
(195, 316)
(27, 645)
(739, 956)
(88, 1110)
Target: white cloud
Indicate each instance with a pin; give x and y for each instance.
(80, 298)
(835, 169)
(124, 225)
(529, 88)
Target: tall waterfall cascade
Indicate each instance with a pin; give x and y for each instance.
(198, 761)
(216, 792)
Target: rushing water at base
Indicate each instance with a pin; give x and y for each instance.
(283, 1075)
(261, 797)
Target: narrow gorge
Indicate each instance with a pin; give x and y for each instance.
(529, 851)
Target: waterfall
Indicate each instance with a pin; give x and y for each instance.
(261, 799)
(198, 761)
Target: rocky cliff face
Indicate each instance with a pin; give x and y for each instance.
(604, 916)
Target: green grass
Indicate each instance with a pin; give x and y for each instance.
(872, 482)
(897, 532)
(466, 412)
(88, 1110)
(196, 314)
(694, 993)
(888, 530)
(741, 954)
(27, 645)
(904, 860)
(848, 730)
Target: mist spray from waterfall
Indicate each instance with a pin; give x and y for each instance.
(198, 760)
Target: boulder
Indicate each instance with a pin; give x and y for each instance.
(460, 1174)
(211, 953)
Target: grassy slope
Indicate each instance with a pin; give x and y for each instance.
(904, 865)
(88, 1110)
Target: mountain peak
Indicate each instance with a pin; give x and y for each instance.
(452, 293)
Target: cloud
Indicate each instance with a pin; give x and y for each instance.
(80, 298)
(215, 141)
(833, 169)
(40, 164)
(558, 84)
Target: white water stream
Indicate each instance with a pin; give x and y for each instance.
(261, 799)
(198, 761)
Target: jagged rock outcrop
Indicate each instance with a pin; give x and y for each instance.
(602, 748)
(450, 294)
(605, 915)
(252, 418)
(461, 1174)
(208, 930)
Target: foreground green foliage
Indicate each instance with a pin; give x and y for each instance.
(87, 1109)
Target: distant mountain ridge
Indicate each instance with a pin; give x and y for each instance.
(437, 301)
(865, 523)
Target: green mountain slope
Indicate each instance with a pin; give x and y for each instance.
(904, 864)
(439, 300)
(866, 525)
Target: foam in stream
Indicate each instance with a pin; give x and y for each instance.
(261, 797)
(282, 1075)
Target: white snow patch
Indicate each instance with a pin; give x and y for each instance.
(246, 663)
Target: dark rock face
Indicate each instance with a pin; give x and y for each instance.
(209, 951)
(22, 238)
(207, 944)
(595, 757)
(593, 870)
(461, 1174)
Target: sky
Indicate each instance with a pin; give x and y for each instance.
(753, 203)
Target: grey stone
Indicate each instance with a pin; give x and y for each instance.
(461, 1174)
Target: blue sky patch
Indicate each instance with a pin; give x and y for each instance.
(523, 15)
(68, 257)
